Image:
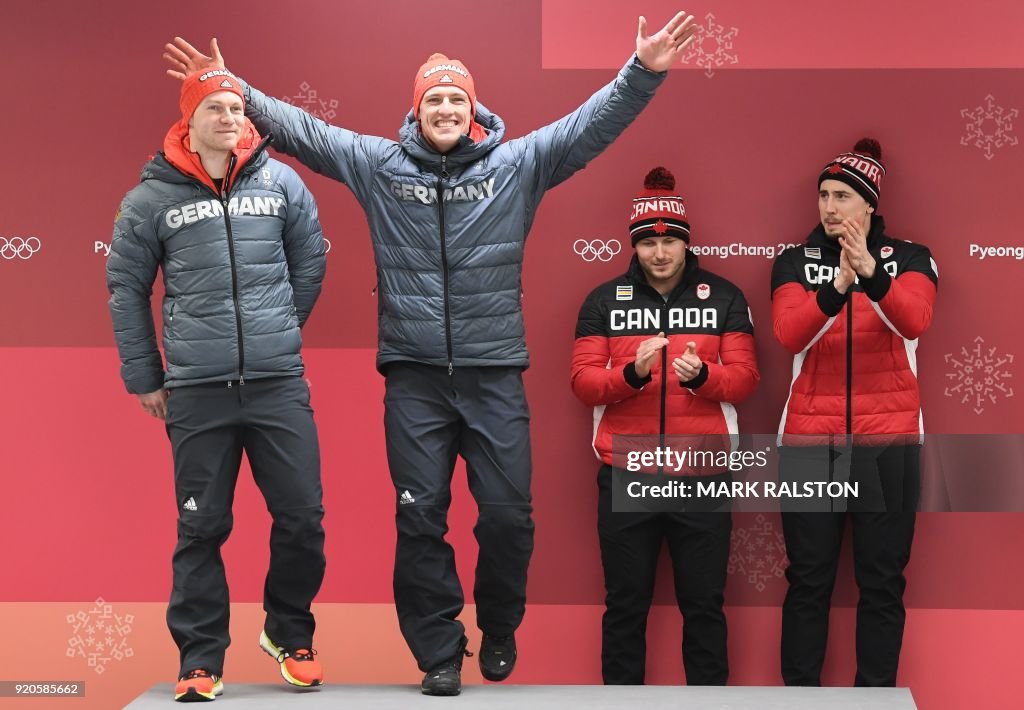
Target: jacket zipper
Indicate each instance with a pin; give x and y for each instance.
(225, 191)
(223, 197)
(444, 263)
(664, 380)
(849, 366)
(848, 440)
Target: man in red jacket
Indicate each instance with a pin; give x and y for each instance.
(661, 353)
(850, 305)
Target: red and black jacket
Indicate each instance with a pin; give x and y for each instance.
(620, 314)
(855, 355)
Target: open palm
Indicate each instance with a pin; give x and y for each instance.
(186, 59)
(661, 50)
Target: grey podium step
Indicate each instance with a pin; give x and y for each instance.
(544, 697)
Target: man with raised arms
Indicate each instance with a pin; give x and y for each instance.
(449, 206)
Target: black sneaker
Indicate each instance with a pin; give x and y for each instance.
(446, 678)
(497, 656)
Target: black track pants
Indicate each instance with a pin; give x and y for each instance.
(430, 417)
(209, 427)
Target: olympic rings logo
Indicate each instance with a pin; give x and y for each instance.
(596, 249)
(327, 245)
(19, 247)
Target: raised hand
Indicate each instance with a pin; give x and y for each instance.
(186, 59)
(854, 242)
(846, 276)
(661, 50)
(646, 352)
(688, 365)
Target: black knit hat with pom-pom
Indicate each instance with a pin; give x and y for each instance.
(861, 169)
(659, 210)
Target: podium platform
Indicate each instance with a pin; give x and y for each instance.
(546, 697)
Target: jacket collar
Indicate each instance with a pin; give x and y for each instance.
(179, 153)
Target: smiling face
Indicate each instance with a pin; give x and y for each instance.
(838, 201)
(445, 115)
(217, 123)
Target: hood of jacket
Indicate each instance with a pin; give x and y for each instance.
(178, 152)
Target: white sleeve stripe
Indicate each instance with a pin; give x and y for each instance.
(885, 320)
(798, 363)
(598, 415)
(819, 334)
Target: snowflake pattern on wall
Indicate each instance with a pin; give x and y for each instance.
(712, 46)
(989, 127)
(978, 375)
(100, 635)
(758, 553)
(308, 99)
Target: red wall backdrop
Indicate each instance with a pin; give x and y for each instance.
(767, 95)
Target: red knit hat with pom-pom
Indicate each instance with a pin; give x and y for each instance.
(659, 210)
(439, 70)
(198, 85)
(861, 169)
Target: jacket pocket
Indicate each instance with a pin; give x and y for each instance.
(170, 310)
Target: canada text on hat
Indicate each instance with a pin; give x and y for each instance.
(658, 211)
(861, 169)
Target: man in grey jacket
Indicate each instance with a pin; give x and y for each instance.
(449, 206)
(237, 238)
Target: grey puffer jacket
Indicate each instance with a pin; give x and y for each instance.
(448, 230)
(241, 275)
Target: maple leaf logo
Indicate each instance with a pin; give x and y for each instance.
(660, 227)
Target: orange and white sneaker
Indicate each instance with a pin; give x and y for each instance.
(198, 686)
(298, 667)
